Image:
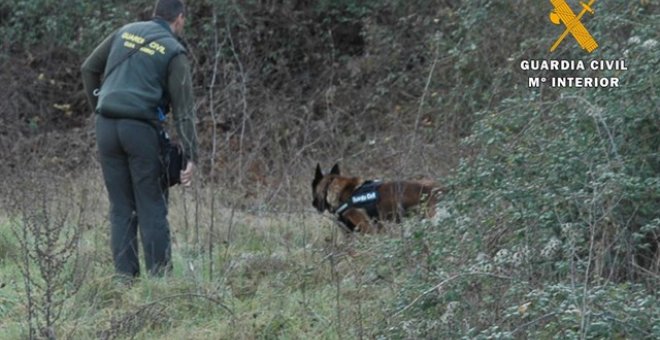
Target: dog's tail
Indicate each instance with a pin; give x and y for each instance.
(431, 198)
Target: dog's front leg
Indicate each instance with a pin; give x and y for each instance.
(360, 221)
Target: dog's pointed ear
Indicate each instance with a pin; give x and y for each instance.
(318, 173)
(317, 176)
(335, 169)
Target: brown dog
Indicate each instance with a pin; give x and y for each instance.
(360, 204)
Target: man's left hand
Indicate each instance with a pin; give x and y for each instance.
(187, 174)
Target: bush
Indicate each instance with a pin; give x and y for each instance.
(552, 224)
(43, 24)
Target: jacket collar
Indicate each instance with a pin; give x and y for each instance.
(163, 23)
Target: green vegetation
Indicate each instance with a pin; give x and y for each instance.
(273, 276)
(549, 229)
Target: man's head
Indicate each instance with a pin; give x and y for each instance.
(172, 11)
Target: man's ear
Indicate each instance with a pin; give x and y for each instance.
(179, 22)
(335, 169)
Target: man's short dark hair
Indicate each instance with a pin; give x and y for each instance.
(169, 9)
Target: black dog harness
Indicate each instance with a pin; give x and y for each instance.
(366, 197)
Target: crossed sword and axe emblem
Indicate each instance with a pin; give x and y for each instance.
(563, 14)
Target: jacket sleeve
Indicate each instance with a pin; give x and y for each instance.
(93, 68)
(179, 85)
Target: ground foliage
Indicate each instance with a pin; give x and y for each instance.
(552, 221)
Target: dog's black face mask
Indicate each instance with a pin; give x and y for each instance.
(318, 193)
(319, 205)
(318, 202)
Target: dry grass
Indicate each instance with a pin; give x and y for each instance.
(253, 274)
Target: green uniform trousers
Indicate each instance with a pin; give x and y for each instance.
(129, 156)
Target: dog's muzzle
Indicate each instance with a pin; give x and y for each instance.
(319, 204)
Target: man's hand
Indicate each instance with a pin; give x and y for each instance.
(187, 174)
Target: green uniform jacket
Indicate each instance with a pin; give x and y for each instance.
(158, 75)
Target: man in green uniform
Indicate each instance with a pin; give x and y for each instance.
(145, 72)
